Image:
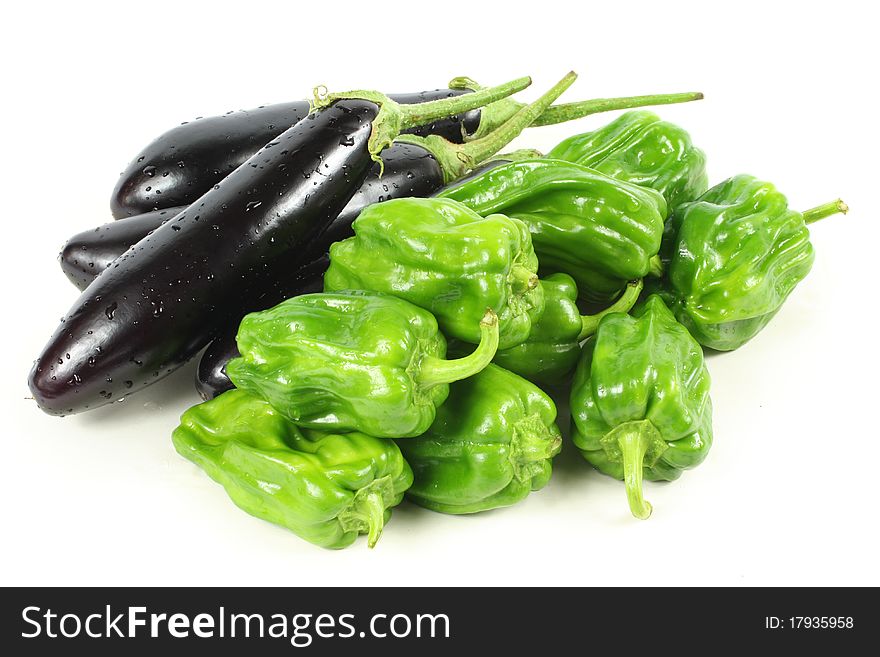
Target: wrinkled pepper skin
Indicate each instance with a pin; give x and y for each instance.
(641, 149)
(447, 259)
(640, 400)
(601, 231)
(353, 361)
(734, 256)
(326, 488)
(489, 447)
(553, 347)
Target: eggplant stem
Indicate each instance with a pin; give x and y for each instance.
(393, 118)
(499, 112)
(456, 160)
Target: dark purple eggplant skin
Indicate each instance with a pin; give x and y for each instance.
(169, 295)
(185, 162)
(410, 170)
(211, 379)
(87, 254)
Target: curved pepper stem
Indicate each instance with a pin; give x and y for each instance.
(436, 371)
(633, 446)
(497, 113)
(393, 118)
(590, 323)
(655, 267)
(366, 514)
(375, 517)
(825, 210)
(456, 160)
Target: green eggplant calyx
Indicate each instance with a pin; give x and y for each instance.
(825, 210)
(498, 112)
(366, 513)
(456, 160)
(637, 445)
(522, 279)
(533, 442)
(432, 371)
(590, 323)
(393, 118)
(516, 156)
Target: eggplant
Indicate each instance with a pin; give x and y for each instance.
(211, 379)
(185, 162)
(172, 292)
(409, 170)
(87, 254)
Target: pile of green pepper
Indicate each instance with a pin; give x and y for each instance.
(600, 271)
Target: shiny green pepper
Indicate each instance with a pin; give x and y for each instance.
(601, 231)
(353, 361)
(553, 347)
(640, 400)
(640, 148)
(733, 257)
(489, 447)
(446, 259)
(326, 488)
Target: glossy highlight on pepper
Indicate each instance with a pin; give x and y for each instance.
(553, 347)
(353, 361)
(601, 231)
(490, 445)
(447, 259)
(640, 148)
(640, 400)
(733, 257)
(326, 488)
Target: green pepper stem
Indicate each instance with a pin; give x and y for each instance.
(825, 210)
(393, 117)
(633, 446)
(497, 113)
(456, 160)
(522, 279)
(655, 266)
(375, 517)
(590, 323)
(366, 513)
(436, 371)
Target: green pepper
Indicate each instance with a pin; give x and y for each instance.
(326, 488)
(640, 400)
(446, 259)
(353, 360)
(640, 148)
(601, 231)
(553, 347)
(733, 257)
(489, 447)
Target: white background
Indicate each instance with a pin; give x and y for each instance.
(788, 494)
